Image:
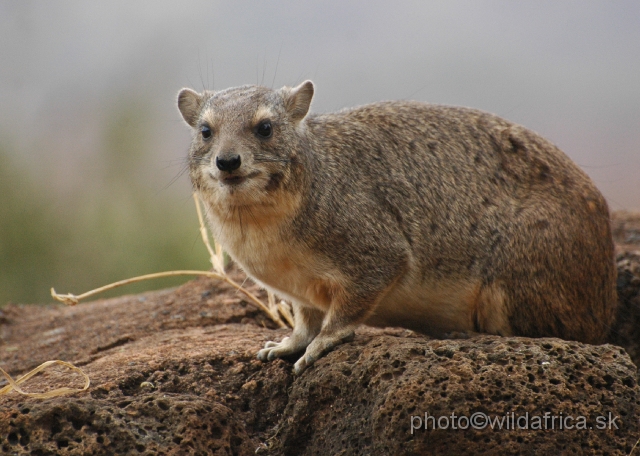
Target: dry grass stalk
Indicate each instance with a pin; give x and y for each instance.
(72, 300)
(217, 257)
(13, 384)
(287, 311)
(217, 261)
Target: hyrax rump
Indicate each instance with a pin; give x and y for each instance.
(434, 218)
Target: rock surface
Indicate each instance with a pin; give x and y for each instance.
(626, 330)
(174, 372)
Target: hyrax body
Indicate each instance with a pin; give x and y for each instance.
(429, 217)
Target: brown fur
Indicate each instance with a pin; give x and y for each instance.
(431, 217)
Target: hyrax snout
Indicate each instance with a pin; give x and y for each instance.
(434, 218)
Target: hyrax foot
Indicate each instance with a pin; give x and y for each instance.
(308, 322)
(288, 346)
(320, 345)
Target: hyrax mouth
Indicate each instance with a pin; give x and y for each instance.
(233, 180)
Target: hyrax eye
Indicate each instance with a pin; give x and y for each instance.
(264, 130)
(205, 132)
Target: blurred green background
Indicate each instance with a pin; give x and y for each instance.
(113, 229)
(92, 145)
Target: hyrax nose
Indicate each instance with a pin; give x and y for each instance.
(228, 162)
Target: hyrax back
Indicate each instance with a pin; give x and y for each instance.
(430, 217)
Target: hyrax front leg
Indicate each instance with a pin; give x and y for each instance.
(350, 307)
(338, 327)
(307, 325)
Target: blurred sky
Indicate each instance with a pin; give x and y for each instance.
(569, 70)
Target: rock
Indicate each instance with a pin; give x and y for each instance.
(192, 385)
(366, 394)
(626, 228)
(201, 391)
(152, 423)
(626, 329)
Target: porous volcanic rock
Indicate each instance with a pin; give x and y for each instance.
(366, 394)
(174, 372)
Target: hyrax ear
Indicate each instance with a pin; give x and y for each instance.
(298, 100)
(189, 104)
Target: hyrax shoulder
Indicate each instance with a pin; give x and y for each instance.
(430, 217)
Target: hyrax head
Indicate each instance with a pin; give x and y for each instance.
(246, 140)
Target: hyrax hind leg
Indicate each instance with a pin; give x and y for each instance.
(308, 323)
(558, 273)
